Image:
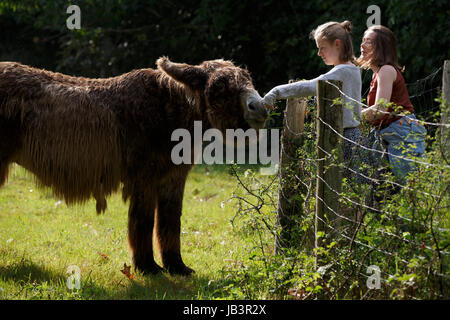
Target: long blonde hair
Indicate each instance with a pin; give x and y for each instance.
(332, 31)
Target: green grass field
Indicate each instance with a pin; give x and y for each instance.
(40, 237)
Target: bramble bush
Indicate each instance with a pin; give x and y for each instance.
(400, 227)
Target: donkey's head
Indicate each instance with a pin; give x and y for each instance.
(231, 100)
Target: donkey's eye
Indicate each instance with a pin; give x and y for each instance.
(220, 85)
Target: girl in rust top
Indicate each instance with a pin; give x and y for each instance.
(389, 111)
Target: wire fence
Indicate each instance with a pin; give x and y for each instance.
(400, 225)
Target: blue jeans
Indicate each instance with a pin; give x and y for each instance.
(403, 138)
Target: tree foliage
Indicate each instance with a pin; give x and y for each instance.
(270, 37)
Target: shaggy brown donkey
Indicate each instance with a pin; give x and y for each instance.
(84, 137)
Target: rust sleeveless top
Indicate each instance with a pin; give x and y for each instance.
(399, 96)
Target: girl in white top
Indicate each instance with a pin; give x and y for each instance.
(335, 48)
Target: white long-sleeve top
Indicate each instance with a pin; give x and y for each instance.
(349, 74)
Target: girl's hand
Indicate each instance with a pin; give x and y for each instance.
(268, 106)
(372, 114)
(367, 115)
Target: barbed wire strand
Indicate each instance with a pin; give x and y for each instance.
(379, 151)
(368, 226)
(382, 111)
(379, 181)
(399, 216)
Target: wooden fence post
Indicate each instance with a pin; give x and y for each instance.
(289, 193)
(327, 169)
(445, 115)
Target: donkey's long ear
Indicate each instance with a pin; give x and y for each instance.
(192, 76)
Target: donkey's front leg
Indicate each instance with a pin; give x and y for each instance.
(141, 217)
(168, 225)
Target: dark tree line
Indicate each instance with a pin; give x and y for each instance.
(270, 37)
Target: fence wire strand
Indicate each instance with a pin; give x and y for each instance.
(370, 217)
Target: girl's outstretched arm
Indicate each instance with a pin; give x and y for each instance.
(292, 90)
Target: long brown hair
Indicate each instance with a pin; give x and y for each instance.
(331, 31)
(384, 49)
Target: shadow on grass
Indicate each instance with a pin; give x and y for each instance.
(34, 281)
(164, 286)
(25, 271)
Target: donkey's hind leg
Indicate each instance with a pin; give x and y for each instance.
(168, 224)
(9, 144)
